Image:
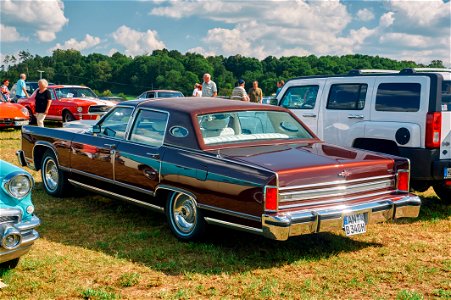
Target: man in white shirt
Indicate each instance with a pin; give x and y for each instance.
(209, 87)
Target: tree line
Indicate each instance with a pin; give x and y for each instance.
(170, 69)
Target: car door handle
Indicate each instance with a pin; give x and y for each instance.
(309, 115)
(153, 155)
(355, 117)
(111, 146)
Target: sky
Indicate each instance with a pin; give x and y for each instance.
(413, 30)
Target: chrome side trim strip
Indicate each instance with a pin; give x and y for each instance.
(341, 190)
(230, 212)
(125, 185)
(338, 182)
(334, 201)
(114, 195)
(234, 226)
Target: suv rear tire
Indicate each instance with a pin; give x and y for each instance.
(443, 192)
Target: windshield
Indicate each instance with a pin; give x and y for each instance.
(245, 126)
(169, 94)
(446, 96)
(75, 92)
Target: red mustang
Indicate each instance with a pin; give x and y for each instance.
(71, 102)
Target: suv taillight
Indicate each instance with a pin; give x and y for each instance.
(271, 198)
(433, 129)
(402, 181)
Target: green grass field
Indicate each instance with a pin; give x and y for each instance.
(92, 247)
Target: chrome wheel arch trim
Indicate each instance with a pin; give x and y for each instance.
(45, 145)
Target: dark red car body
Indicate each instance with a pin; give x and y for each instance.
(274, 187)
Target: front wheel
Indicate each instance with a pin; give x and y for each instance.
(54, 179)
(184, 218)
(10, 264)
(68, 117)
(443, 191)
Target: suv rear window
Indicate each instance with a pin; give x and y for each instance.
(347, 96)
(300, 97)
(398, 97)
(446, 96)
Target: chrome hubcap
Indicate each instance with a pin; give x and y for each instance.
(51, 175)
(184, 213)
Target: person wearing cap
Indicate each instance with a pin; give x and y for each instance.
(239, 93)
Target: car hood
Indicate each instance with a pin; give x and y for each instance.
(91, 101)
(300, 164)
(12, 110)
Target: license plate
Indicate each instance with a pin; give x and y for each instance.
(354, 224)
(20, 123)
(447, 173)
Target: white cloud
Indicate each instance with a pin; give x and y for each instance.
(45, 18)
(365, 15)
(423, 13)
(88, 42)
(387, 19)
(10, 34)
(137, 42)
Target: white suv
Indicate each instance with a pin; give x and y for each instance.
(405, 113)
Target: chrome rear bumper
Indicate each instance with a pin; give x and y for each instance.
(282, 226)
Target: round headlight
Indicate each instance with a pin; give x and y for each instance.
(25, 111)
(79, 109)
(18, 184)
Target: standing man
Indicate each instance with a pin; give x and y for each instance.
(280, 85)
(209, 87)
(21, 88)
(255, 93)
(239, 93)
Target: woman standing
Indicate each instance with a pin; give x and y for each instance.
(5, 91)
(43, 102)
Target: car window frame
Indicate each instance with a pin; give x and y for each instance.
(134, 120)
(100, 122)
(360, 84)
(300, 86)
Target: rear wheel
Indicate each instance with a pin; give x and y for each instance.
(68, 117)
(53, 178)
(443, 192)
(185, 219)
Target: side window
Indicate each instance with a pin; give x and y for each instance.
(52, 94)
(149, 128)
(347, 96)
(151, 95)
(446, 96)
(398, 97)
(115, 123)
(300, 97)
(142, 96)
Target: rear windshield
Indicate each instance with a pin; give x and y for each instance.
(248, 126)
(446, 96)
(169, 95)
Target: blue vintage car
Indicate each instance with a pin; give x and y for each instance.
(17, 221)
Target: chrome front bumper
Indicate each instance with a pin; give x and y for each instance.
(28, 234)
(282, 226)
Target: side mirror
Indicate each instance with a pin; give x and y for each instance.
(96, 129)
(273, 101)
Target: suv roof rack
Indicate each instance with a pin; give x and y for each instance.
(371, 71)
(414, 70)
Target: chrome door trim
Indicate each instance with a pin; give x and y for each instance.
(117, 196)
(131, 187)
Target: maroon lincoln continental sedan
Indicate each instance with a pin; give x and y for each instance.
(205, 161)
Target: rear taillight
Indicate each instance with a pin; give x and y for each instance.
(402, 181)
(433, 129)
(448, 182)
(271, 198)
